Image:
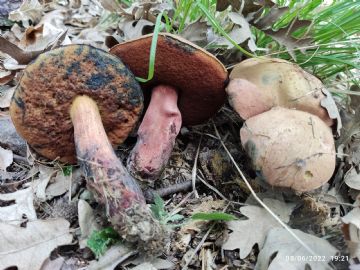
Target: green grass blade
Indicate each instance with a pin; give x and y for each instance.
(153, 50)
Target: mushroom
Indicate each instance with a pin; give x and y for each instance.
(256, 85)
(79, 97)
(187, 88)
(290, 148)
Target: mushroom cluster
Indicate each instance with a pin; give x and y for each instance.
(76, 102)
(287, 133)
(188, 88)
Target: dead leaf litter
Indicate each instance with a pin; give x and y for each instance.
(47, 215)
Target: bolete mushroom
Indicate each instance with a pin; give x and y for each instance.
(290, 148)
(79, 97)
(188, 88)
(257, 85)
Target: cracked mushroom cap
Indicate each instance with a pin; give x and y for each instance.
(199, 77)
(40, 108)
(271, 82)
(290, 148)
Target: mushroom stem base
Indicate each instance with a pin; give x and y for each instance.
(108, 179)
(156, 135)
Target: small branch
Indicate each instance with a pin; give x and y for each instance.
(193, 172)
(163, 192)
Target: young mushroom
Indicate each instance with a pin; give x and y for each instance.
(81, 98)
(290, 148)
(188, 88)
(257, 85)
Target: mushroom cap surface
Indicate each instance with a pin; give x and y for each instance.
(40, 108)
(198, 76)
(280, 83)
(290, 148)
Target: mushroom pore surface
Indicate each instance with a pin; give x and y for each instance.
(290, 148)
(41, 103)
(81, 97)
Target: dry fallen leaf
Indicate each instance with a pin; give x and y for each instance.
(7, 6)
(6, 158)
(27, 248)
(352, 232)
(133, 29)
(158, 263)
(22, 209)
(329, 104)
(144, 266)
(30, 10)
(196, 32)
(56, 264)
(39, 185)
(9, 138)
(282, 252)
(87, 221)
(110, 5)
(19, 56)
(6, 76)
(246, 233)
(240, 33)
(58, 185)
(112, 257)
(352, 178)
(221, 5)
(284, 38)
(6, 93)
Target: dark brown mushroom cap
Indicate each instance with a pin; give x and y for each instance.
(197, 75)
(41, 104)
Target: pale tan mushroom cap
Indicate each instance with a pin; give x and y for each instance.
(279, 83)
(290, 148)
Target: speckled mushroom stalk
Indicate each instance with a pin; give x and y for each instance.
(107, 177)
(157, 134)
(86, 100)
(187, 89)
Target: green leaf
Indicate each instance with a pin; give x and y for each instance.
(67, 170)
(172, 218)
(218, 216)
(158, 208)
(100, 241)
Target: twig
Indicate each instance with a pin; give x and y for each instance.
(166, 191)
(193, 172)
(20, 158)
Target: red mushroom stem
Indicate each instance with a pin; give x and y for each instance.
(156, 135)
(109, 180)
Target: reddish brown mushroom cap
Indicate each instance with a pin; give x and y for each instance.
(198, 76)
(41, 103)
